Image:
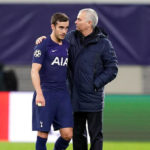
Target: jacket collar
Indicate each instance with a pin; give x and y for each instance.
(93, 37)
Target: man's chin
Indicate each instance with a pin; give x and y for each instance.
(59, 38)
(77, 29)
(62, 38)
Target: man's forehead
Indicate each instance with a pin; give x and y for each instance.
(81, 14)
(59, 23)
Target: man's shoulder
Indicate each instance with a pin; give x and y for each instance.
(71, 33)
(70, 36)
(43, 44)
(103, 37)
(105, 42)
(65, 42)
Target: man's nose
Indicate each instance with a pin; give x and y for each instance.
(76, 22)
(65, 31)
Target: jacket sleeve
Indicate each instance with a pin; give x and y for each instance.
(110, 62)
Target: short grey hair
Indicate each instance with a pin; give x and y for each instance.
(91, 15)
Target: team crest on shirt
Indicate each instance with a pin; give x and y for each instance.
(37, 53)
(41, 124)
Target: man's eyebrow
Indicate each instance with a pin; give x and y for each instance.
(63, 27)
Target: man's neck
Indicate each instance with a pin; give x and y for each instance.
(56, 40)
(87, 32)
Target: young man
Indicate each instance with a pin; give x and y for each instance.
(93, 64)
(51, 102)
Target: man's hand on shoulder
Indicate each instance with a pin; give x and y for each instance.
(40, 39)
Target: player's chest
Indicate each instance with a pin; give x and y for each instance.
(57, 56)
(57, 51)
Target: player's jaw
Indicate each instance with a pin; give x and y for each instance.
(60, 37)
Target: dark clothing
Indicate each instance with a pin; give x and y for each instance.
(92, 64)
(94, 120)
(53, 58)
(58, 111)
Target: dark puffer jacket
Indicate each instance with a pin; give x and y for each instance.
(92, 64)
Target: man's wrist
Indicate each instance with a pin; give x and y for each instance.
(39, 92)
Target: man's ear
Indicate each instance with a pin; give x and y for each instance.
(52, 26)
(90, 22)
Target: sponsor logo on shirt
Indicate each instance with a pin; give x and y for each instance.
(60, 61)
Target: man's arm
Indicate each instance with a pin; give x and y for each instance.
(68, 37)
(110, 66)
(40, 101)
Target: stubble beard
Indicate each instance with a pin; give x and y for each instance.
(59, 39)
